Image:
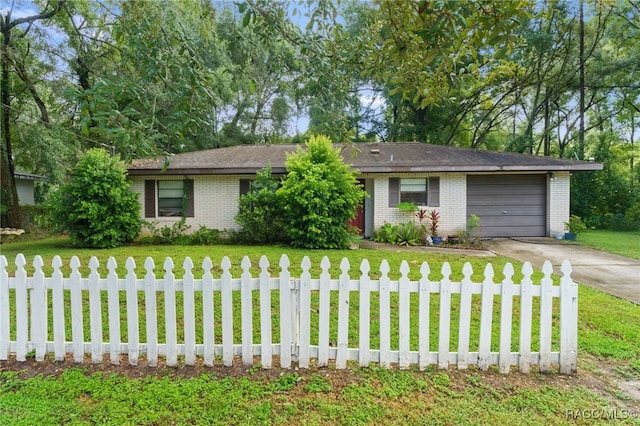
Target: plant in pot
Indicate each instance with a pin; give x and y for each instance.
(434, 217)
(574, 226)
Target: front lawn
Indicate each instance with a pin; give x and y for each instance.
(622, 243)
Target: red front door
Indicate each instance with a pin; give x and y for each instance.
(358, 221)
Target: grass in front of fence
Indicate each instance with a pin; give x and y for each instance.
(358, 396)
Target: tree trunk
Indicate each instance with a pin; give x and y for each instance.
(9, 207)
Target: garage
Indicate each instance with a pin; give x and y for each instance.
(509, 205)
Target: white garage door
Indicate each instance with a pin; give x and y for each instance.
(508, 205)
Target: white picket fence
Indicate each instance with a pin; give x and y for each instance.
(291, 301)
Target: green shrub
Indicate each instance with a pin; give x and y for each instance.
(260, 211)
(96, 206)
(174, 234)
(402, 234)
(387, 234)
(205, 236)
(408, 234)
(320, 196)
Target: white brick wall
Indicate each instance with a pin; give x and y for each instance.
(215, 200)
(558, 205)
(453, 202)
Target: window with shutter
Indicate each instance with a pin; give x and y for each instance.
(175, 198)
(420, 191)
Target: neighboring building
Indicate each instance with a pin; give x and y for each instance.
(513, 194)
(25, 187)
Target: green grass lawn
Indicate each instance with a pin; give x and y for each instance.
(608, 334)
(622, 243)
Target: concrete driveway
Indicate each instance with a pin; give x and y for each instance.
(613, 274)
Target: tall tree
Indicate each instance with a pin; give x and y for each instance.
(9, 208)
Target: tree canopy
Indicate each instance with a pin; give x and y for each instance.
(149, 78)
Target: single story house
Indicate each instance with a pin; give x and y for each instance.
(515, 195)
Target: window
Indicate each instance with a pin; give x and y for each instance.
(169, 198)
(413, 191)
(420, 191)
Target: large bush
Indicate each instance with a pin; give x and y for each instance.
(260, 210)
(96, 206)
(320, 196)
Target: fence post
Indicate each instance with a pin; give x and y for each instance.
(568, 321)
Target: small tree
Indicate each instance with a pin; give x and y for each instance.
(260, 210)
(96, 206)
(320, 196)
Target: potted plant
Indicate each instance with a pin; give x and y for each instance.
(434, 217)
(574, 226)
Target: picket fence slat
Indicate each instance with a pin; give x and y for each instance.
(305, 314)
(208, 313)
(464, 324)
(323, 313)
(188, 303)
(151, 312)
(113, 301)
(77, 316)
(285, 313)
(546, 310)
(227, 313)
(364, 335)
(295, 301)
(266, 337)
(385, 315)
(526, 317)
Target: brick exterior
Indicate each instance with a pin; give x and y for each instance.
(216, 201)
(452, 208)
(558, 202)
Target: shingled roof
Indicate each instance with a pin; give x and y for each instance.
(366, 157)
